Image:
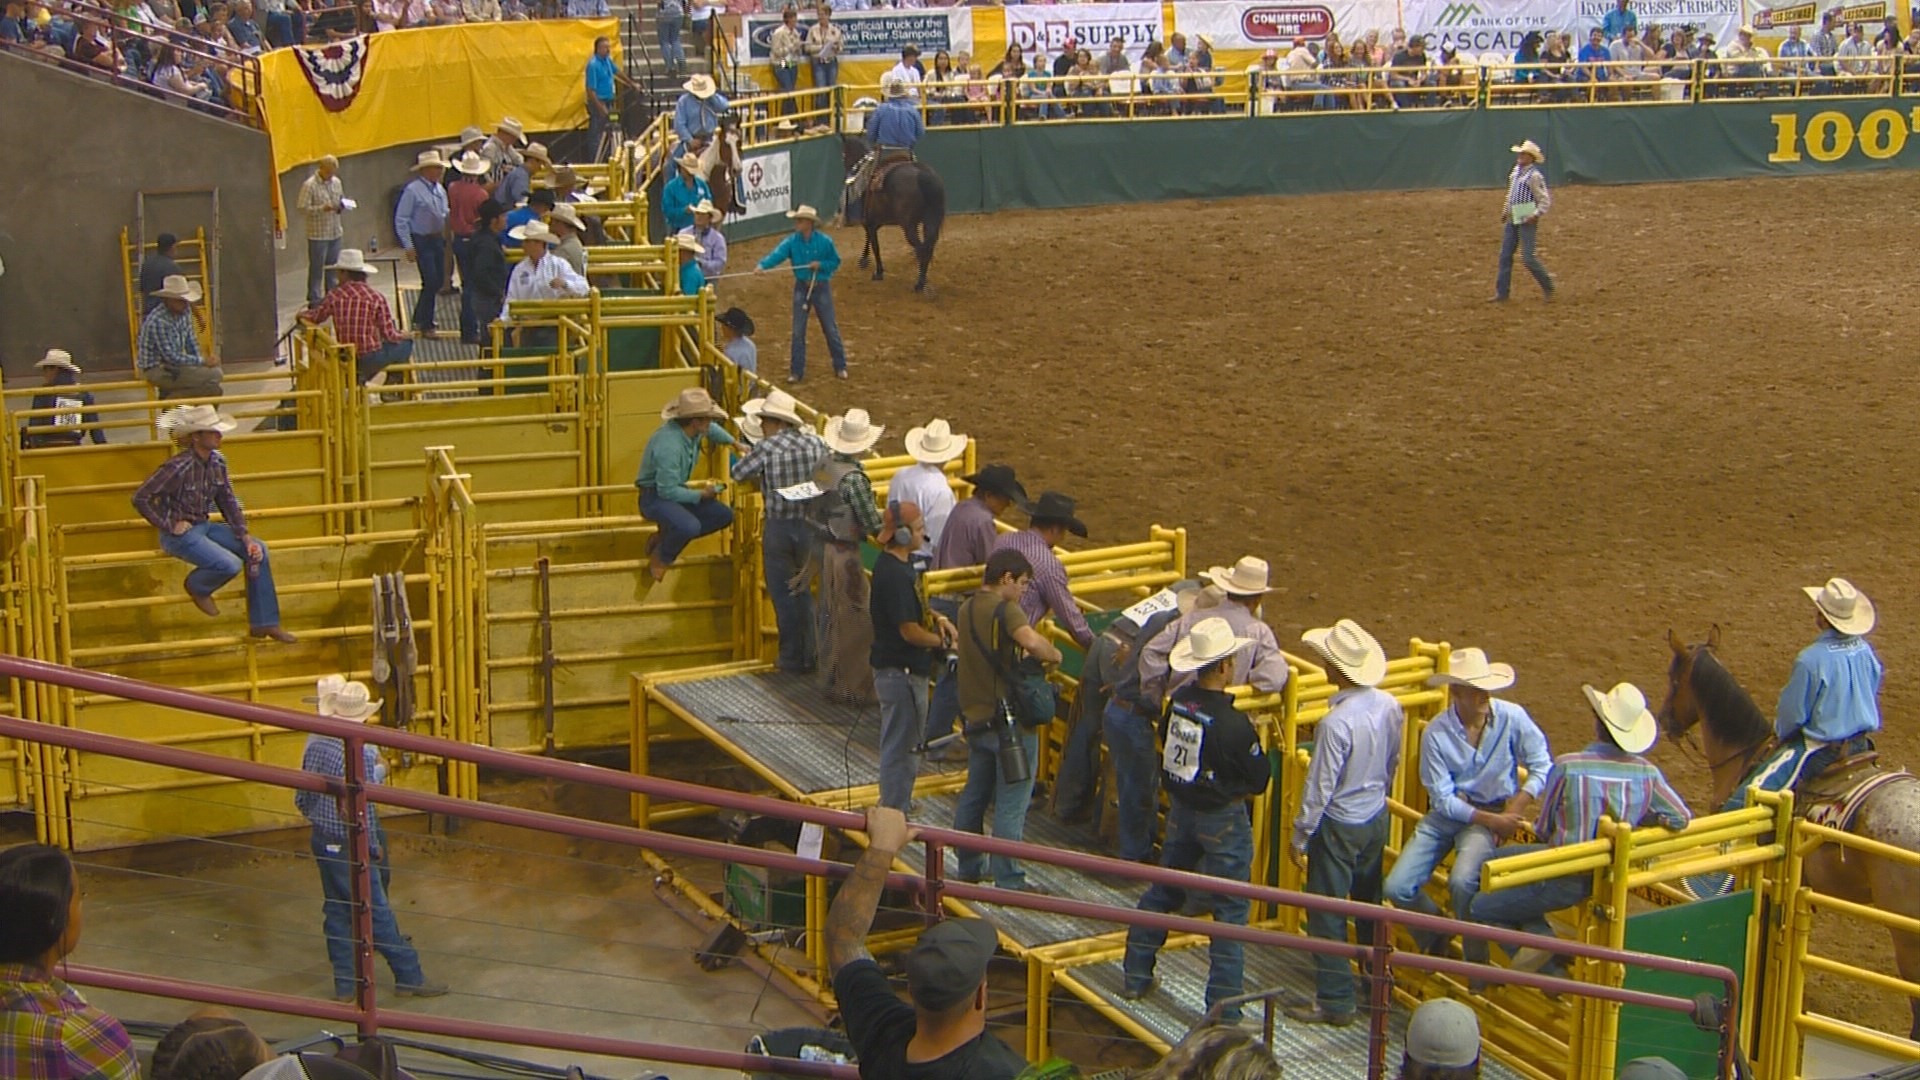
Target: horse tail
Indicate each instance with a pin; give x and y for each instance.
(933, 201)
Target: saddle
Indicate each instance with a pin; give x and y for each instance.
(886, 163)
(1834, 797)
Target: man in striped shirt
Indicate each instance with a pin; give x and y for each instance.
(1527, 199)
(1051, 519)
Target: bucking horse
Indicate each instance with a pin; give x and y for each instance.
(902, 192)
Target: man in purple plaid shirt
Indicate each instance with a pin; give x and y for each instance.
(1051, 519)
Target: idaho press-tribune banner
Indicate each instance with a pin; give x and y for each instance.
(1481, 26)
(874, 34)
(1048, 27)
(1234, 24)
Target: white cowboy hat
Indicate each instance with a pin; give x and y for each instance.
(355, 260)
(693, 403)
(538, 152)
(804, 211)
(777, 405)
(349, 701)
(512, 127)
(533, 230)
(1247, 578)
(188, 419)
(854, 433)
(895, 87)
(322, 689)
(685, 243)
(1624, 710)
(471, 134)
(428, 159)
(565, 212)
(689, 162)
(1209, 640)
(1354, 651)
(1469, 667)
(1846, 607)
(705, 206)
(1528, 146)
(177, 287)
(935, 444)
(59, 358)
(749, 425)
(472, 164)
(700, 86)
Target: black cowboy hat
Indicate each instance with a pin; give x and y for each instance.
(1053, 508)
(736, 320)
(999, 480)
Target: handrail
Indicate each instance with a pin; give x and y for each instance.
(241, 69)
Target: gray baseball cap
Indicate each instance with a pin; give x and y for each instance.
(1444, 1034)
(949, 962)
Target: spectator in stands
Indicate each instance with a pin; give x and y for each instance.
(685, 250)
(1556, 63)
(1086, 85)
(1526, 58)
(1594, 56)
(60, 379)
(944, 1035)
(1796, 55)
(1456, 74)
(1652, 1068)
(361, 318)
(212, 1044)
(1609, 778)
(1676, 65)
(924, 483)
(1745, 60)
(156, 268)
(326, 756)
(1632, 59)
(696, 115)
(1114, 60)
(93, 45)
(46, 1028)
(993, 635)
(542, 275)
(1412, 69)
(216, 27)
(1443, 1042)
(851, 516)
(787, 458)
(464, 195)
(681, 513)
(1050, 519)
(286, 23)
(1826, 45)
(178, 499)
(786, 47)
(700, 16)
(1615, 24)
(1212, 765)
(540, 203)
(736, 339)
(1854, 60)
(679, 195)
(713, 244)
(420, 221)
(13, 22)
(588, 9)
(168, 353)
(322, 201)
(815, 260)
(1216, 1052)
(978, 94)
(944, 92)
(904, 649)
(1012, 56)
(1303, 66)
(1201, 83)
(1470, 761)
(475, 11)
(825, 42)
(907, 74)
(1341, 832)
(966, 540)
(487, 280)
(1528, 199)
(245, 27)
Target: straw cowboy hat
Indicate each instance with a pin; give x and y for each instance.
(1054, 507)
(538, 152)
(59, 358)
(469, 135)
(533, 230)
(777, 405)
(700, 86)
(1248, 577)
(512, 127)
(191, 418)
(804, 211)
(894, 87)
(1469, 667)
(1624, 710)
(705, 206)
(749, 425)
(1209, 640)
(565, 212)
(429, 159)
(323, 689)
(177, 287)
(935, 444)
(355, 260)
(1529, 147)
(854, 433)
(472, 164)
(685, 243)
(694, 403)
(1842, 605)
(349, 701)
(1352, 650)
(689, 162)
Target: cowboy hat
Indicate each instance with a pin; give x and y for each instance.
(685, 243)
(512, 127)
(777, 405)
(188, 419)
(700, 86)
(353, 259)
(854, 433)
(564, 176)
(428, 159)
(472, 164)
(564, 212)
(1842, 605)
(533, 230)
(1248, 577)
(471, 134)
(804, 211)
(1469, 667)
(693, 403)
(349, 701)
(1054, 507)
(1208, 641)
(999, 480)
(935, 444)
(538, 152)
(736, 320)
(1623, 710)
(1352, 650)
(896, 87)
(177, 287)
(326, 685)
(689, 162)
(1528, 146)
(59, 358)
(749, 425)
(1205, 41)
(704, 206)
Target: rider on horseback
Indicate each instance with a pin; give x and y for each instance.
(892, 130)
(1830, 707)
(696, 116)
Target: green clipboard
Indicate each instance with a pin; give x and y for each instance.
(1521, 211)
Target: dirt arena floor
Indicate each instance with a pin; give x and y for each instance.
(1717, 408)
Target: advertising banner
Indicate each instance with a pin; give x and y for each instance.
(1234, 24)
(1497, 26)
(1048, 27)
(766, 183)
(875, 34)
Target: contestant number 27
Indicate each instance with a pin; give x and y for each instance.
(1830, 136)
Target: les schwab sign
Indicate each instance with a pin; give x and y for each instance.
(1286, 23)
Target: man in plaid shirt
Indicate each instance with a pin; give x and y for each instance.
(361, 318)
(783, 461)
(322, 201)
(1052, 517)
(47, 1030)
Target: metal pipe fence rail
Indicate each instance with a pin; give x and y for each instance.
(356, 795)
(238, 70)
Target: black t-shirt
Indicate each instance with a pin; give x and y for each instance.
(1231, 765)
(896, 600)
(880, 1025)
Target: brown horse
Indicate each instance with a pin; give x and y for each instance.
(720, 166)
(910, 195)
(1734, 736)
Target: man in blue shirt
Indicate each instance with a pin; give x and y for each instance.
(1618, 21)
(682, 513)
(891, 131)
(539, 204)
(1593, 56)
(421, 224)
(679, 195)
(1470, 758)
(814, 260)
(1830, 707)
(600, 93)
(697, 114)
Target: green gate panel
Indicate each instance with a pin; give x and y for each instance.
(633, 348)
(1710, 931)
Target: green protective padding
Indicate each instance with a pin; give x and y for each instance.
(1711, 931)
(632, 348)
(525, 371)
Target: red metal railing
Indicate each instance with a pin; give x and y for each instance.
(1379, 958)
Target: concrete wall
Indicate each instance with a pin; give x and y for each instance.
(79, 151)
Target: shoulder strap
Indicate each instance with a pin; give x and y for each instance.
(992, 652)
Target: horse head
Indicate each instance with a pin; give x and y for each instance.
(1702, 692)
(1680, 713)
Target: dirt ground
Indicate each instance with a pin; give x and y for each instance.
(1717, 408)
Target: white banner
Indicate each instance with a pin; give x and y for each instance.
(1497, 26)
(874, 34)
(1234, 24)
(766, 182)
(1048, 27)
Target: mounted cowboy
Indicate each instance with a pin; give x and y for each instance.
(1830, 707)
(696, 116)
(892, 130)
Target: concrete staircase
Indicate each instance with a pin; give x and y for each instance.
(640, 45)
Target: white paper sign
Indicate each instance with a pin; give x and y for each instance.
(811, 837)
(1048, 27)
(802, 491)
(766, 185)
(1164, 600)
(1181, 758)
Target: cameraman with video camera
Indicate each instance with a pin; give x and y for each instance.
(1004, 700)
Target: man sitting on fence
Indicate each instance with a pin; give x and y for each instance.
(179, 499)
(681, 513)
(361, 318)
(169, 352)
(1745, 60)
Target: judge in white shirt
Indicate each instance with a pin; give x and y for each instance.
(542, 275)
(925, 483)
(907, 72)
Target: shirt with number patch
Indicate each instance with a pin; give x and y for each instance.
(1210, 753)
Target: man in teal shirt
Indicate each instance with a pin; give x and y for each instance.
(682, 513)
(679, 195)
(814, 260)
(687, 249)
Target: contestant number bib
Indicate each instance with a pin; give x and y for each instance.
(1181, 756)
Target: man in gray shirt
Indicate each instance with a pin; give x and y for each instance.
(1114, 60)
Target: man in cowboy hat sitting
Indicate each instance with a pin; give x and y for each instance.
(1830, 707)
(567, 224)
(892, 131)
(361, 318)
(1049, 521)
(1609, 779)
(542, 275)
(502, 148)
(849, 514)
(61, 381)
(1212, 764)
(1341, 832)
(966, 540)
(1470, 759)
(682, 513)
(679, 195)
(713, 245)
(783, 461)
(168, 355)
(925, 482)
(696, 115)
(178, 500)
(420, 221)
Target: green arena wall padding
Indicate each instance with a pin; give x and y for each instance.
(1712, 931)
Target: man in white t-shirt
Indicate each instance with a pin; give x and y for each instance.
(925, 483)
(907, 72)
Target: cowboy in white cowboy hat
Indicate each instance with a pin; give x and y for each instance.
(850, 516)
(1471, 757)
(65, 405)
(682, 192)
(168, 354)
(1830, 707)
(360, 317)
(696, 116)
(682, 512)
(420, 222)
(542, 275)
(341, 699)
(1608, 779)
(1264, 667)
(1341, 832)
(176, 500)
(502, 148)
(1527, 199)
(785, 461)
(713, 245)
(925, 483)
(567, 224)
(814, 260)
(1212, 764)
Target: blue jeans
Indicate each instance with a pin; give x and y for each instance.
(683, 523)
(825, 74)
(1009, 806)
(336, 886)
(1136, 779)
(462, 255)
(1520, 236)
(784, 548)
(903, 704)
(1472, 846)
(431, 256)
(319, 254)
(943, 708)
(217, 557)
(1526, 907)
(786, 78)
(1214, 842)
(367, 365)
(672, 53)
(1342, 861)
(818, 298)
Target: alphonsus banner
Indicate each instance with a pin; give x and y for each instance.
(874, 34)
(1235, 24)
(766, 185)
(1048, 27)
(1498, 26)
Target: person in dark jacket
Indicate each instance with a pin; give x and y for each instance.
(62, 392)
(487, 267)
(155, 269)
